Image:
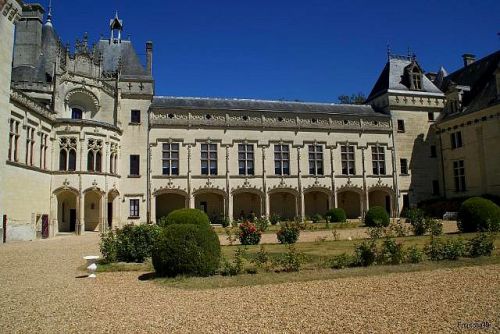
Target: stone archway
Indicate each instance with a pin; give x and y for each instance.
(284, 204)
(212, 203)
(382, 198)
(350, 201)
(316, 202)
(113, 210)
(67, 211)
(168, 202)
(93, 213)
(247, 204)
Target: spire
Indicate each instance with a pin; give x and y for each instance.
(116, 24)
(49, 14)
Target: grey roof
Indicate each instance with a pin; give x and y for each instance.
(196, 103)
(480, 77)
(392, 78)
(123, 51)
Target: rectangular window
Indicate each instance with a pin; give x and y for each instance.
(245, 159)
(209, 159)
(430, 116)
(134, 208)
(456, 140)
(433, 151)
(315, 160)
(43, 150)
(135, 116)
(170, 159)
(378, 160)
(13, 140)
(347, 157)
(435, 187)
(401, 125)
(459, 175)
(134, 165)
(281, 160)
(406, 202)
(404, 166)
(30, 143)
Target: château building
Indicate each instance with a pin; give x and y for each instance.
(86, 145)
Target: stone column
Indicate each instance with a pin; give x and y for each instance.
(365, 189)
(332, 176)
(104, 213)
(53, 218)
(301, 207)
(230, 206)
(153, 209)
(265, 200)
(80, 228)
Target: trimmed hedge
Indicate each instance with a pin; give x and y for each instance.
(377, 217)
(478, 214)
(185, 216)
(336, 215)
(186, 249)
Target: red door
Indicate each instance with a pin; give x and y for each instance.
(45, 226)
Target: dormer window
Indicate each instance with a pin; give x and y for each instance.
(416, 79)
(76, 113)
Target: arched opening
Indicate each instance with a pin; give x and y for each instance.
(283, 204)
(247, 205)
(76, 113)
(212, 204)
(66, 211)
(93, 211)
(72, 160)
(316, 202)
(63, 159)
(90, 161)
(113, 210)
(166, 203)
(350, 201)
(380, 198)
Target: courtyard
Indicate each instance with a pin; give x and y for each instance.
(42, 290)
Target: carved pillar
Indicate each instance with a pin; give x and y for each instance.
(364, 197)
(301, 206)
(54, 228)
(229, 196)
(189, 185)
(153, 209)
(80, 228)
(103, 213)
(265, 200)
(332, 176)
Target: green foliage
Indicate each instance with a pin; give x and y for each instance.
(185, 216)
(434, 227)
(133, 243)
(377, 216)
(365, 254)
(262, 259)
(376, 232)
(336, 215)
(416, 218)
(316, 218)
(392, 252)
(445, 249)
(481, 245)
(249, 234)
(358, 98)
(414, 255)
(288, 233)
(478, 214)
(341, 261)
(186, 249)
(235, 268)
(225, 222)
(275, 219)
(107, 246)
(398, 228)
(292, 260)
(261, 223)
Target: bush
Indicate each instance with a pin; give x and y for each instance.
(341, 261)
(186, 249)
(274, 219)
(288, 233)
(445, 249)
(414, 255)
(291, 260)
(235, 268)
(135, 242)
(185, 216)
(262, 224)
(262, 259)
(336, 215)
(434, 227)
(377, 216)
(399, 228)
(416, 218)
(478, 214)
(392, 252)
(316, 218)
(249, 234)
(107, 246)
(365, 254)
(481, 245)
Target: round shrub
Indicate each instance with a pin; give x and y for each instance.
(376, 217)
(249, 234)
(478, 214)
(185, 216)
(288, 233)
(336, 215)
(186, 249)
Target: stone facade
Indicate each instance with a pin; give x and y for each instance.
(86, 145)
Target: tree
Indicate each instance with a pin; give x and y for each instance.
(358, 98)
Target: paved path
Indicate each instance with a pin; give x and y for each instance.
(40, 293)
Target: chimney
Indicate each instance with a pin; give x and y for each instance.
(28, 40)
(468, 59)
(149, 57)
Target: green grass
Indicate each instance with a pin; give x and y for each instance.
(124, 266)
(308, 227)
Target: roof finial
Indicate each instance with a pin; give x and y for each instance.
(49, 14)
(388, 51)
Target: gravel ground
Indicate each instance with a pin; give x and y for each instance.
(40, 292)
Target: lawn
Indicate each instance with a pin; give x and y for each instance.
(308, 226)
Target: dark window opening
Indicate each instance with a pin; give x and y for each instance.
(401, 125)
(76, 113)
(134, 164)
(135, 116)
(404, 166)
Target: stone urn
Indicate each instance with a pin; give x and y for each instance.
(91, 264)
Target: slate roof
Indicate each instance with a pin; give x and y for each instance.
(392, 75)
(195, 103)
(123, 51)
(480, 77)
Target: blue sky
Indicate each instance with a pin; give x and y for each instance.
(310, 50)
